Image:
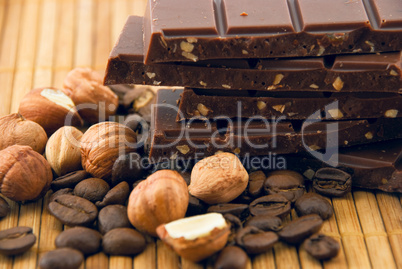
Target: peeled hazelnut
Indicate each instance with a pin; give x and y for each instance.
(50, 108)
(218, 179)
(16, 130)
(161, 198)
(196, 238)
(86, 89)
(102, 144)
(63, 150)
(25, 175)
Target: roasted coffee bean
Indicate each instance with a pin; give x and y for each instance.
(69, 180)
(285, 182)
(117, 195)
(112, 217)
(299, 229)
(231, 257)
(274, 205)
(265, 223)
(61, 258)
(312, 203)
(86, 240)
(235, 226)
(255, 241)
(195, 207)
(239, 210)
(256, 183)
(61, 192)
(73, 210)
(4, 207)
(123, 241)
(16, 240)
(332, 182)
(127, 168)
(321, 247)
(92, 189)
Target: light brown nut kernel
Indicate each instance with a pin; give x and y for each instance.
(203, 109)
(335, 113)
(184, 149)
(261, 105)
(186, 47)
(391, 113)
(369, 135)
(338, 84)
(278, 79)
(279, 108)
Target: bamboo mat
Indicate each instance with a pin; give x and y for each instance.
(41, 40)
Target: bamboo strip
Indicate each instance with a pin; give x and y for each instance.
(147, 259)
(391, 212)
(120, 262)
(64, 43)
(286, 255)
(103, 34)
(166, 257)
(349, 228)
(43, 76)
(138, 7)
(265, 260)
(11, 220)
(97, 261)
(8, 52)
(330, 228)
(84, 33)
(29, 216)
(186, 264)
(370, 219)
(120, 11)
(26, 52)
(3, 7)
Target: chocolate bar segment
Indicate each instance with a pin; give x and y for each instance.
(179, 31)
(368, 72)
(373, 166)
(290, 105)
(196, 139)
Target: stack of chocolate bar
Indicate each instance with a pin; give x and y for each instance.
(266, 76)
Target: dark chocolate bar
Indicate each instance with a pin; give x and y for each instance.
(180, 30)
(196, 139)
(292, 105)
(346, 73)
(373, 166)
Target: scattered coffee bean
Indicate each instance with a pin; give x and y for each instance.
(255, 241)
(61, 258)
(274, 205)
(265, 223)
(312, 203)
(86, 240)
(92, 189)
(16, 240)
(285, 182)
(123, 241)
(61, 192)
(195, 207)
(231, 257)
(321, 247)
(332, 182)
(73, 210)
(235, 226)
(112, 217)
(117, 195)
(239, 210)
(4, 207)
(299, 229)
(127, 168)
(69, 180)
(256, 183)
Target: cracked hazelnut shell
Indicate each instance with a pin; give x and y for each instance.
(16, 130)
(25, 175)
(50, 108)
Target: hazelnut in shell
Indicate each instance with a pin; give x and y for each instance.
(25, 175)
(102, 144)
(95, 101)
(50, 108)
(196, 238)
(161, 198)
(218, 179)
(63, 150)
(16, 130)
